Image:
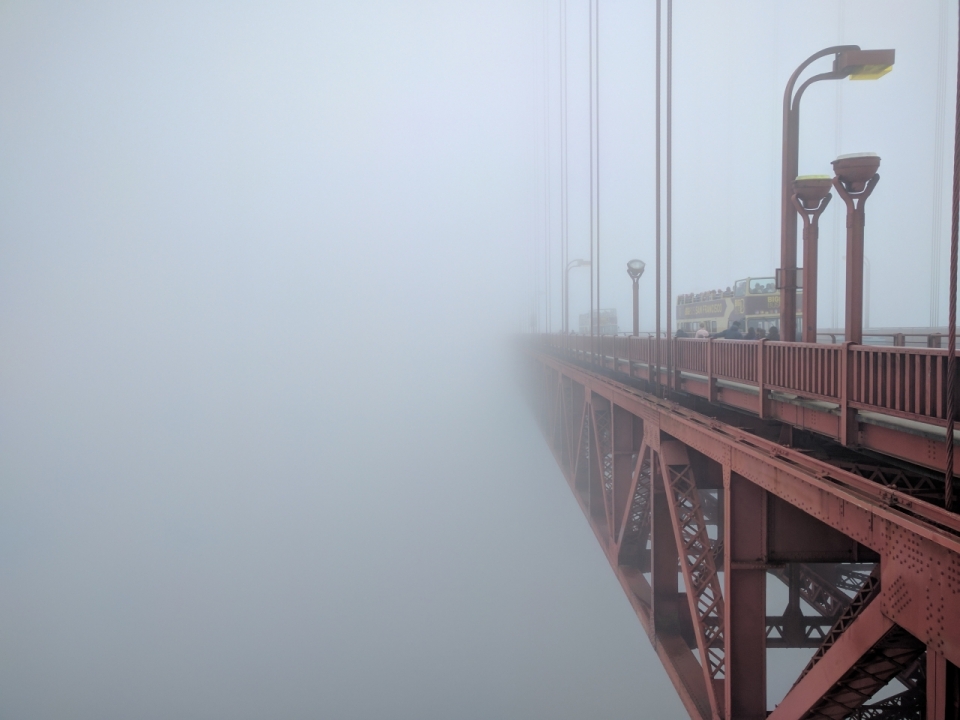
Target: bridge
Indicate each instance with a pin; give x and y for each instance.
(757, 495)
(705, 467)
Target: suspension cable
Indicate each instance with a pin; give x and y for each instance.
(952, 331)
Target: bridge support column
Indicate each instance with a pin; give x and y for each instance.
(943, 688)
(711, 380)
(848, 415)
(745, 550)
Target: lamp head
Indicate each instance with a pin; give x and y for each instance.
(635, 268)
(812, 189)
(863, 64)
(856, 169)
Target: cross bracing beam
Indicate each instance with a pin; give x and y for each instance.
(646, 472)
(825, 586)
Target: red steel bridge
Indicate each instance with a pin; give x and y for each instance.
(706, 467)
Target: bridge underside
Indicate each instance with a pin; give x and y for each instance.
(696, 510)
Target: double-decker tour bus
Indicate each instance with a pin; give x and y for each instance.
(754, 302)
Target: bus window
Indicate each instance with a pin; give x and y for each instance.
(740, 288)
(762, 286)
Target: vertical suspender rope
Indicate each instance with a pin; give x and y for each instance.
(669, 189)
(656, 343)
(596, 45)
(936, 265)
(952, 330)
(592, 266)
(564, 215)
(546, 167)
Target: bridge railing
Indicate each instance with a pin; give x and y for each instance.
(906, 382)
(694, 355)
(733, 360)
(807, 369)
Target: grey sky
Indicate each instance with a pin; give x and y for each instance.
(262, 452)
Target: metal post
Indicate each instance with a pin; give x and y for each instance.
(636, 307)
(745, 556)
(856, 178)
(811, 197)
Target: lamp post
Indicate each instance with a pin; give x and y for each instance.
(566, 291)
(856, 177)
(849, 61)
(811, 195)
(635, 270)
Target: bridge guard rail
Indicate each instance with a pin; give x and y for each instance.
(909, 383)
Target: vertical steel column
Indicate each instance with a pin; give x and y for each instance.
(943, 688)
(745, 581)
(854, 193)
(811, 197)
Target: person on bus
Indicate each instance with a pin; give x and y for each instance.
(751, 334)
(761, 333)
(773, 333)
(703, 332)
(733, 333)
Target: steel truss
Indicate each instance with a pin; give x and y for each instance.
(694, 513)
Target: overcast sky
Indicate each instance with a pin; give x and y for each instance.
(262, 453)
(731, 63)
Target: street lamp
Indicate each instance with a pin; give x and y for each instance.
(566, 291)
(856, 178)
(849, 61)
(635, 270)
(811, 195)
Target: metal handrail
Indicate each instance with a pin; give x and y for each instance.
(906, 382)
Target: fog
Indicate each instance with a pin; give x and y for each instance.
(262, 450)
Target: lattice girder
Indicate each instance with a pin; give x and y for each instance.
(697, 563)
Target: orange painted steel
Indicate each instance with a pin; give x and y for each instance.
(678, 498)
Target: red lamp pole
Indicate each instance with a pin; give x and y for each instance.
(849, 60)
(856, 178)
(811, 197)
